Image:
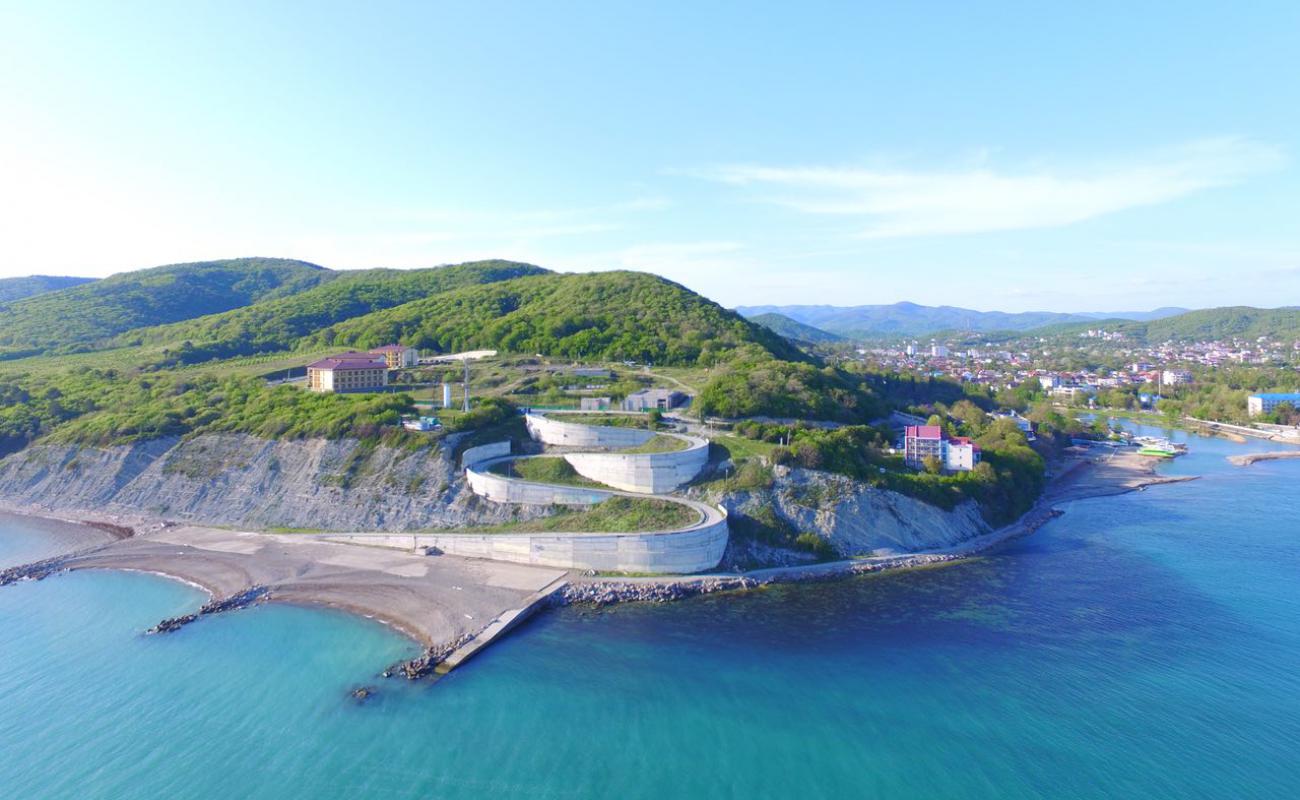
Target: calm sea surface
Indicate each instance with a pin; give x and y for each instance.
(1140, 646)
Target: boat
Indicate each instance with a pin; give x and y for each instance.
(1158, 447)
(1157, 452)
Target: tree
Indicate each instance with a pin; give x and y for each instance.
(932, 465)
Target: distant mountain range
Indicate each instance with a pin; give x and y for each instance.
(911, 319)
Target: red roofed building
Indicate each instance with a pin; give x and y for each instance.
(920, 442)
(398, 356)
(348, 372)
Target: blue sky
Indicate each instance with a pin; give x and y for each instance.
(1008, 156)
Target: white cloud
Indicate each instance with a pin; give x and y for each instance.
(898, 203)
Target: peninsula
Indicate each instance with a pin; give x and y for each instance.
(448, 450)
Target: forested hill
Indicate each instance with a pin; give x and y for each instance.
(74, 318)
(590, 316)
(793, 330)
(12, 289)
(1219, 323)
(276, 325)
(1208, 324)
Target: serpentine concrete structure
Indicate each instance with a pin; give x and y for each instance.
(645, 473)
(693, 548)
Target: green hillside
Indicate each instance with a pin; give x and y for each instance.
(610, 316)
(794, 330)
(1228, 322)
(604, 316)
(73, 319)
(12, 289)
(276, 325)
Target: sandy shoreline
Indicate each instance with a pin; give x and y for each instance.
(446, 601)
(1250, 458)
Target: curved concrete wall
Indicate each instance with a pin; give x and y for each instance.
(512, 490)
(648, 473)
(575, 434)
(693, 550)
(483, 452)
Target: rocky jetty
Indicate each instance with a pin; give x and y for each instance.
(256, 594)
(35, 571)
(427, 662)
(660, 591)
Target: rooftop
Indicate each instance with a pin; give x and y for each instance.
(349, 361)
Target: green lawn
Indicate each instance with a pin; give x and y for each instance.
(659, 444)
(544, 469)
(740, 447)
(606, 420)
(615, 515)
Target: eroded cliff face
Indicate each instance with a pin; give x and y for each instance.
(240, 480)
(855, 518)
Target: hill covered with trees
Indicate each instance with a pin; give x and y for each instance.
(600, 316)
(74, 319)
(1231, 321)
(12, 289)
(794, 330)
(279, 324)
(1208, 324)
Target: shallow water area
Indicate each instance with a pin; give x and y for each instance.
(1139, 646)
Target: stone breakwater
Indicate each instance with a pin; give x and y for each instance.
(36, 570)
(252, 596)
(660, 590)
(426, 663)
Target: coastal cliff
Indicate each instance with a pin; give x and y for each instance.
(350, 485)
(851, 517)
(241, 480)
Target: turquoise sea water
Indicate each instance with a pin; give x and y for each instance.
(1140, 646)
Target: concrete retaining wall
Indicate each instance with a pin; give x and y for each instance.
(506, 490)
(483, 452)
(689, 551)
(574, 434)
(648, 473)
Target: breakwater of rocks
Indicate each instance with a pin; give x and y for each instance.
(35, 571)
(427, 662)
(662, 590)
(248, 597)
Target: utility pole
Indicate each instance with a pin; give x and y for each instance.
(465, 361)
